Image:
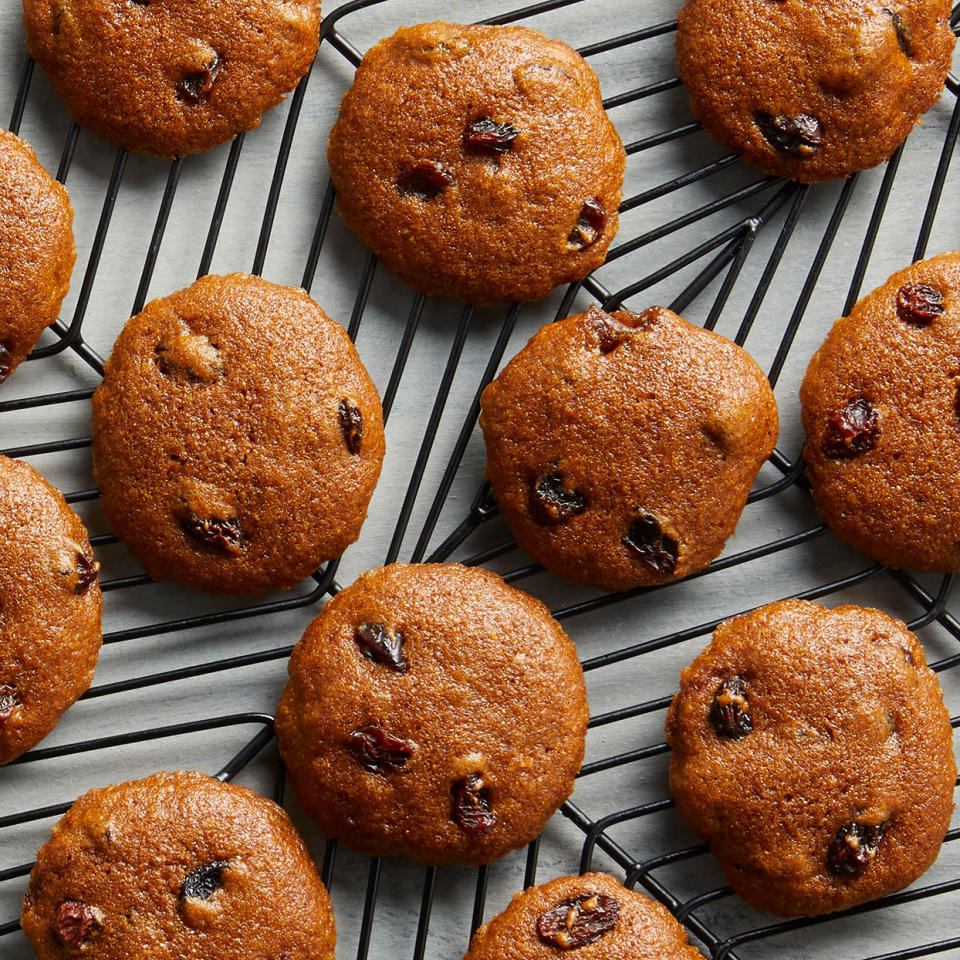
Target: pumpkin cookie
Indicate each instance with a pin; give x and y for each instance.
(237, 437)
(813, 752)
(432, 711)
(477, 162)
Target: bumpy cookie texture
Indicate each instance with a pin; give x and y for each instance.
(813, 91)
(477, 162)
(813, 752)
(881, 412)
(621, 447)
(432, 711)
(169, 77)
(237, 437)
(37, 252)
(590, 916)
(177, 866)
(50, 608)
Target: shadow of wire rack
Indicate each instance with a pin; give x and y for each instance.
(713, 266)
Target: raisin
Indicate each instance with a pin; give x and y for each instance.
(654, 548)
(196, 86)
(800, 136)
(425, 179)
(901, 30)
(728, 713)
(9, 701)
(471, 806)
(854, 846)
(379, 643)
(351, 423)
(589, 226)
(224, 535)
(6, 361)
(76, 924)
(489, 138)
(577, 921)
(608, 330)
(204, 881)
(551, 503)
(379, 751)
(852, 431)
(87, 571)
(918, 304)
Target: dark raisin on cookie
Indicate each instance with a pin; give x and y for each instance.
(590, 224)
(351, 425)
(87, 570)
(77, 924)
(9, 701)
(552, 503)
(800, 136)
(489, 138)
(424, 179)
(728, 712)
(378, 751)
(647, 541)
(200, 884)
(224, 535)
(383, 645)
(196, 86)
(919, 303)
(851, 431)
(577, 921)
(472, 810)
(854, 847)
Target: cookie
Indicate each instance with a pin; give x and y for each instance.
(50, 608)
(477, 162)
(433, 711)
(237, 437)
(813, 752)
(177, 866)
(881, 412)
(813, 91)
(621, 447)
(171, 78)
(592, 915)
(36, 250)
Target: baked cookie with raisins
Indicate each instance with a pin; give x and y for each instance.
(592, 915)
(50, 608)
(433, 712)
(177, 866)
(237, 437)
(813, 752)
(169, 77)
(813, 91)
(881, 413)
(477, 162)
(621, 447)
(37, 252)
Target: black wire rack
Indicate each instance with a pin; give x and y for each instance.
(711, 267)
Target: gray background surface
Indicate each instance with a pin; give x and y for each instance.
(816, 561)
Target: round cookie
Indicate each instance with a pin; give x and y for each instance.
(169, 77)
(621, 447)
(881, 412)
(237, 438)
(177, 866)
(592, 915)
(813, 752)
(813, 91)
(50, 607)
(36, 250)
(477, 162)
(435, 712)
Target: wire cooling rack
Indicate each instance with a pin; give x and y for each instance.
(768, 262)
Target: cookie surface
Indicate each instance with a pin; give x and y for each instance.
(621, 447)
(591, 915)
(477, 162)
(881, 413)
(237, 437)
(177, 865)
(170, 77)
(50, 607)
(432, 711)
(813, 752)
(36, 250)
(813, 91)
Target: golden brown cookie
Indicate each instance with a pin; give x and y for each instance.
(177, 866)
(813, 752)
(237, 438)
(813, 91)
(477, 162)
(50, 608)
(621, 447)
(881, 412)
(591, 916)
(432, 711)
(36, 250)
(171, 77)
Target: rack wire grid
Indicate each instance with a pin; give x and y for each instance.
(769, 262)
